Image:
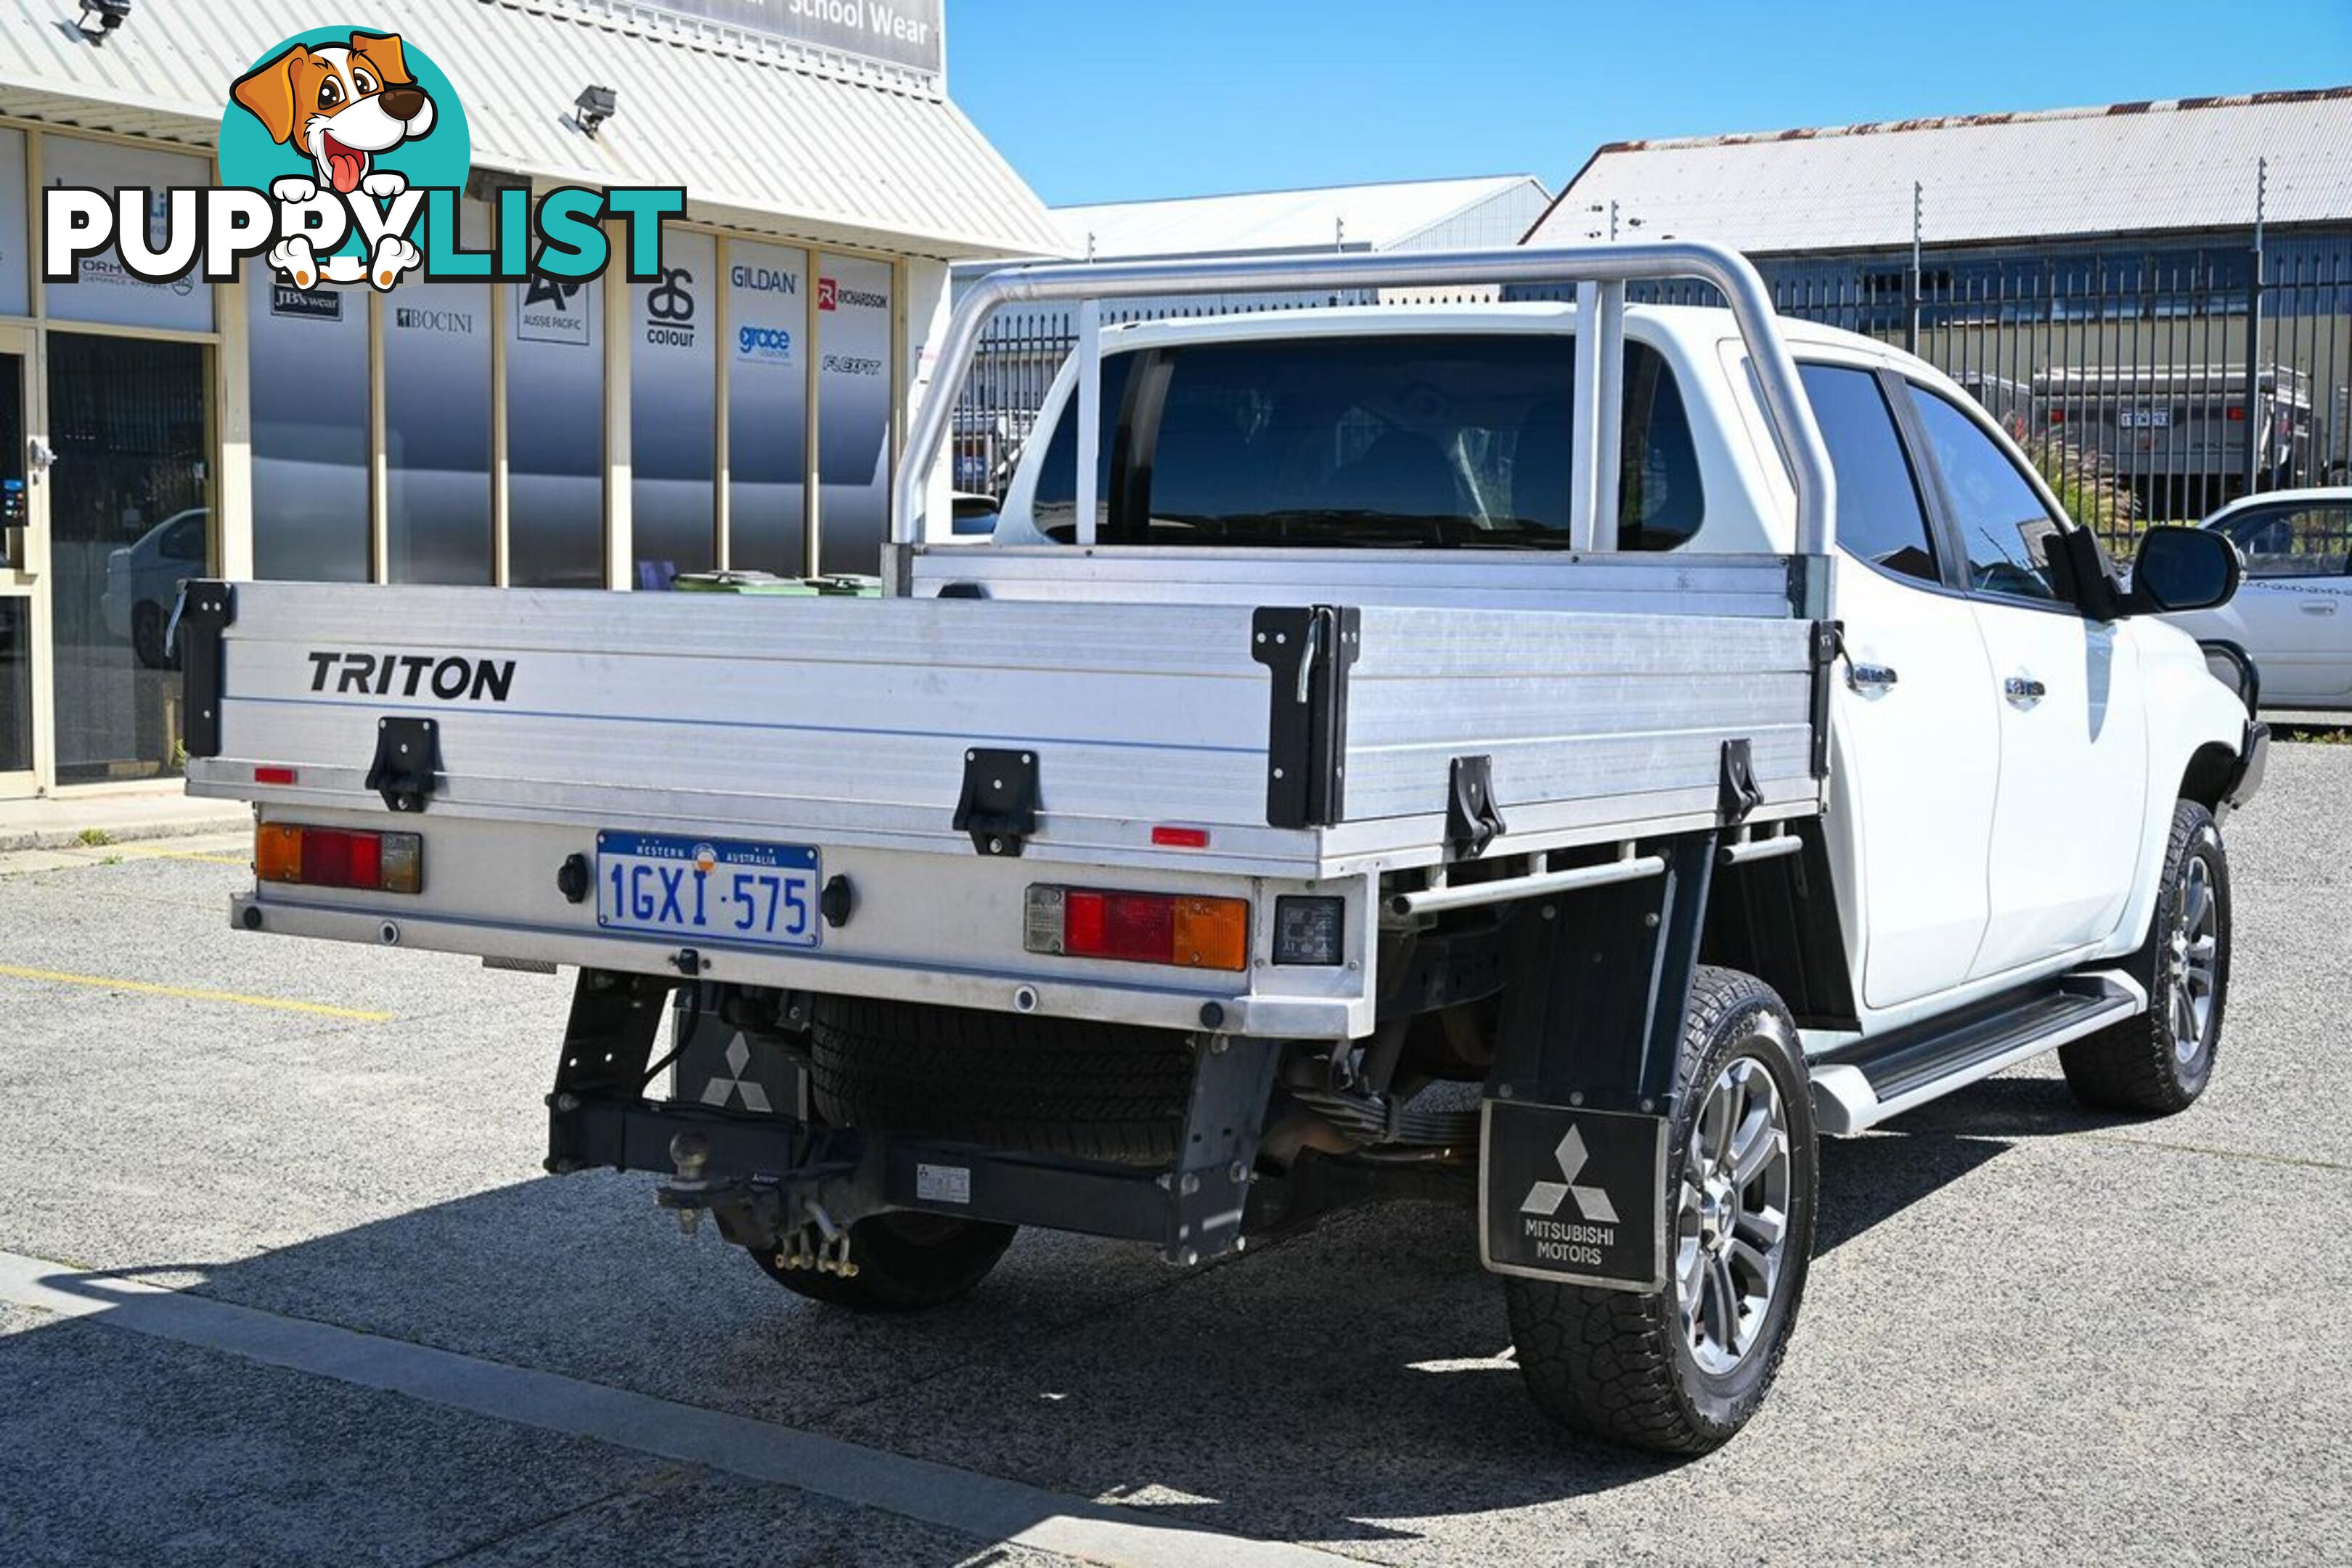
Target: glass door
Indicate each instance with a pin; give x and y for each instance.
(20, 499)
(129, 516)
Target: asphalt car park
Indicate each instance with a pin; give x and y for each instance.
(281, 1281)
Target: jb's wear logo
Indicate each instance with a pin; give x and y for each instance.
(452, 678)
(342, 156)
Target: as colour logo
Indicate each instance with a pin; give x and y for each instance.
(343, 154)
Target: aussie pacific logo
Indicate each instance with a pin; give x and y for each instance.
(344, 157)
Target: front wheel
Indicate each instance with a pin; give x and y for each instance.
(905, 1261)
(1681, 1371)
(2161, 1061)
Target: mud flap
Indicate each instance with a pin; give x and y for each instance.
(1574, 1196)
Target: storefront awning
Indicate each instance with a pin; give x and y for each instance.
(764, 133)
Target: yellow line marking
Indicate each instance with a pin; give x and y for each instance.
(60, 977)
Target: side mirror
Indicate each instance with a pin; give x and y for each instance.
(2183, 569)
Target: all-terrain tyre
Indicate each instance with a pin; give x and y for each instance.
(1048, 1086)
(2160, 1061)
(905, 1262)
(1649, 1371)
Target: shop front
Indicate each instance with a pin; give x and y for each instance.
(743, 408)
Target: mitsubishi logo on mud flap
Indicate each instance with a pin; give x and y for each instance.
(1591, 1203)
(720, 1091)
(1573, 1194)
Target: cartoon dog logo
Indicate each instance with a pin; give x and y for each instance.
(340, 105)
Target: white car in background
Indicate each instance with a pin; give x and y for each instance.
(2293, 613)
(143, 583)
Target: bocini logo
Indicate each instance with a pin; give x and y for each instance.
(343, 154)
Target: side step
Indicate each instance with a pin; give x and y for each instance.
(1860, 1086)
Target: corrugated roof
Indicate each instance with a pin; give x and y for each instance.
(2187, 163)
(773, 135)
(1362, 217)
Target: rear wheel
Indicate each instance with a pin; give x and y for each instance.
(2160, 1061)
(905, 1262)
(1681, 1371)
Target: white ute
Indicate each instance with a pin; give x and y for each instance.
(1563, 758)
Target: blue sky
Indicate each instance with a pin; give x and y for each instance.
(1116, 100)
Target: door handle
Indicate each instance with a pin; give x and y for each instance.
(2024, 691)
(2318, 607)
(1870, 679)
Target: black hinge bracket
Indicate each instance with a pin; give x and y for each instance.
(207, 607)
(999, 804)
(1735, 791)
(1309, 651)
(407, 756)
(1472, 818)
(1829, 646)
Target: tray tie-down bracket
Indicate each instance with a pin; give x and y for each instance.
(407, 756)
(999, 804)
(1472, 820)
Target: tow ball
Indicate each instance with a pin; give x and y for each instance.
(818, 1242)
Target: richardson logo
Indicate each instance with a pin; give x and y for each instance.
(343, 155)
(452, 678)
(832, 296)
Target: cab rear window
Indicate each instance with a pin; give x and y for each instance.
(1396, 441)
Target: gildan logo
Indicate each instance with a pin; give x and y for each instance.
(343, 155)
(764, 280)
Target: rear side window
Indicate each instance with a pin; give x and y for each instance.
(1880, 515)
(2004, 527)
(2293, 541)
(1378, 441)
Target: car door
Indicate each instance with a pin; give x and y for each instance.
(2293, 611)
(1914, 720)
(2067, 830)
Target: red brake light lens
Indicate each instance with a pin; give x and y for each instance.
(1173, 929)
(339, 857)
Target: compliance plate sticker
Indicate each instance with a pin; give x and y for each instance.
(1573, 1195)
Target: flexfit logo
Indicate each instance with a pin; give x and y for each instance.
(343, 155)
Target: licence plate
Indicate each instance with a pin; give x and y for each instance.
(2147, 419)
(722, 890)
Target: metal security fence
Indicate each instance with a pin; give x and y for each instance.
(2150, 383)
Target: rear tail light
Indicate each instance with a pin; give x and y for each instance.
(339, 857)
(1138, 928)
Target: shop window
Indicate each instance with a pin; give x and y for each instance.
(103, 290)
(767, 406)
(555, 434)
(307, 375)
(853, 338)
(673, 413)
(437, 432)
